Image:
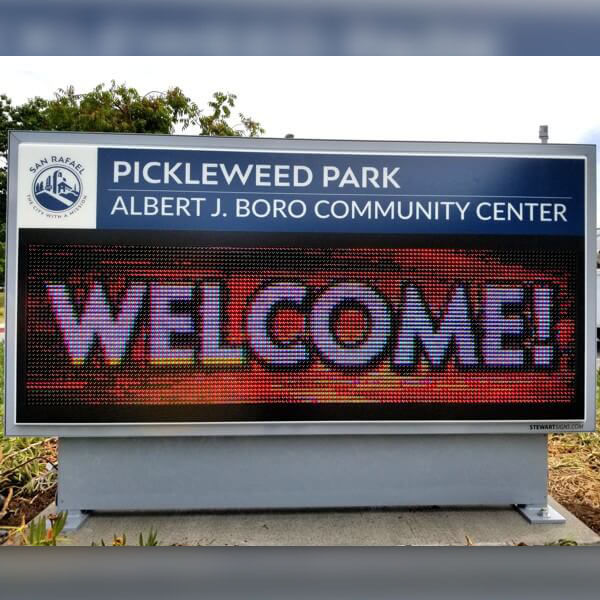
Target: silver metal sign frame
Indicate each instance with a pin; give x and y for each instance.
(18, 138)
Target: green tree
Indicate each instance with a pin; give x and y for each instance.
(118, 109)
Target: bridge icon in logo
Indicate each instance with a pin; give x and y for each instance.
(57, 189)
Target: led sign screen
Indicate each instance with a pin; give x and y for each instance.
(230, 327)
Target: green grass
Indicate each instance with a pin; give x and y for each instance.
(24, 472)
(2, 389)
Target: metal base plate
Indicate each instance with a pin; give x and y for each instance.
(541, 514)
(75, 519)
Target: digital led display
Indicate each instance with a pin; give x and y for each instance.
(271, 327)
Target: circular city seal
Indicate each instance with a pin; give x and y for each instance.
(57, 188)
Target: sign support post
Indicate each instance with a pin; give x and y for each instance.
(241, 473)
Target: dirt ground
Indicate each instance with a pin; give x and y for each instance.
(574, 473)
(587, 514)
(23, 507)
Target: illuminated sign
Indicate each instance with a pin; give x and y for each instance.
(242, 287)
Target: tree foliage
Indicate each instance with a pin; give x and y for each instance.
(119, 109)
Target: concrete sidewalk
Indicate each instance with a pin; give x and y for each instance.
(478, 526)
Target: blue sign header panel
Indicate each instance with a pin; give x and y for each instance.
(164, 189)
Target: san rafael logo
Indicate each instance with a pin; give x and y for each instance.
(57, 189)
